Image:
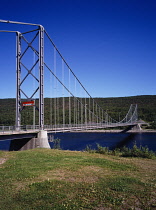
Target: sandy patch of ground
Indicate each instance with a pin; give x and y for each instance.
(2, 160)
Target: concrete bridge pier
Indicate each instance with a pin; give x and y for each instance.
(42, 140)
(137, 127)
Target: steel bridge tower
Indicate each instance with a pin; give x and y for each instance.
(39, 52)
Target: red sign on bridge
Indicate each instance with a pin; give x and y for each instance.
(28, 103)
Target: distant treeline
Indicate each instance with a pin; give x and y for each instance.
(116, 107)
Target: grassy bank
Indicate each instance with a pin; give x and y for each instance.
(56, 179)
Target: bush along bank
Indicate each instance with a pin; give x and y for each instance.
(135, 151)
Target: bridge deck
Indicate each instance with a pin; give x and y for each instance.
(10, 130)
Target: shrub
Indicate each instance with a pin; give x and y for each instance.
(89, 149)
(102, 150)
(141, 151)
(116, 152)
(56, 143)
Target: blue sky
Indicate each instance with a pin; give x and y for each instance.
(109, 44)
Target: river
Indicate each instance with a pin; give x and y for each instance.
(79, 141)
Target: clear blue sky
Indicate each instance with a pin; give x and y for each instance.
(109, 44)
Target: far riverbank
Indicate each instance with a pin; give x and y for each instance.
(115, 131)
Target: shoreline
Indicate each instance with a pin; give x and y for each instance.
(114, 131)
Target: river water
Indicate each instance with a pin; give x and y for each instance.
(79, 141)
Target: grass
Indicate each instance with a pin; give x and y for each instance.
(55, 179)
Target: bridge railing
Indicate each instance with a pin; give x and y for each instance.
(64, 127)
(12, 129)
(4, 129)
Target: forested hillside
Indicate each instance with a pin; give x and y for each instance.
(116, 108)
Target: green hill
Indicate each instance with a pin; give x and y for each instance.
(116, 108)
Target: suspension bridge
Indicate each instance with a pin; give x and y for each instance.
(44, 79)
